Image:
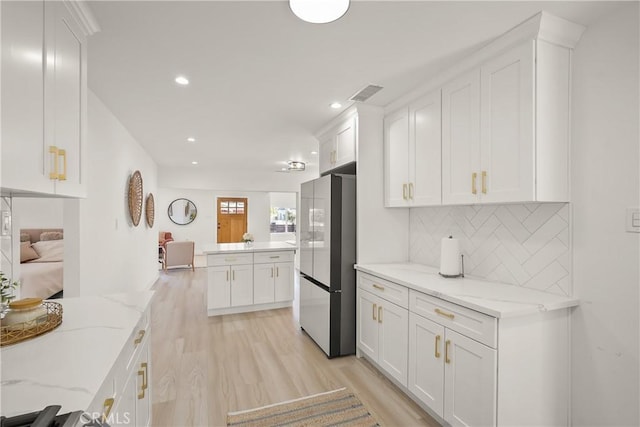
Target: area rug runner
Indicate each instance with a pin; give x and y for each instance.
(334, 408)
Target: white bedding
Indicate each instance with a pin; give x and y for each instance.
(42, 277)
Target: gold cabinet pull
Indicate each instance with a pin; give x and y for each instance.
(233, 275)
(474, 190)
(277, 272)
(446, 351)
(380, 314)
(106, 408)
(381, 288)
(484, 182)
(145, 378)
(227, 275)
(230, 259)
(375, 307)
(63, 176)
(437, 346)
(140, 337)
(141, 394)
(404, 191)
(271, 271)
(444, 314)
(53, 150)
(411, 191)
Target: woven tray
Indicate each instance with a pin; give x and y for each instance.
(17, 332)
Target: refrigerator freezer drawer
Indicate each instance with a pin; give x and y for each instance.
(314, 313)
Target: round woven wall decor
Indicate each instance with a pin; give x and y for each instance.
(135, 197)
(150, 210)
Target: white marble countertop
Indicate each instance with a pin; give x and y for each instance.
(495, 299)
(68, 365)
(225, 248)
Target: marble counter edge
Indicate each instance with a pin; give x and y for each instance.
(518, 308)
(248, 249)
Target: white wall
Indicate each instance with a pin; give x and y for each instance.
(605, 182)
(111, 254)
(38, 212)
(203, 230)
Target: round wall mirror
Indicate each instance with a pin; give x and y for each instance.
(182, 211)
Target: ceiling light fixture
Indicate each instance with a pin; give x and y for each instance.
(335, 105)
(182, 80)
(295, 166)
(190, 139)
(319, 11)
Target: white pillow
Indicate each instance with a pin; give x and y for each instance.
(49, 250)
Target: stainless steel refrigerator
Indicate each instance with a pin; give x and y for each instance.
(327, 256)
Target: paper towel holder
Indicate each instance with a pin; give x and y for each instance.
(453, 276)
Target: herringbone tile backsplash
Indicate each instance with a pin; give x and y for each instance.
(526, 244)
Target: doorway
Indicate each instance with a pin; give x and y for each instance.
(232, 219)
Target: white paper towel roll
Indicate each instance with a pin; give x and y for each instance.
(450, 257)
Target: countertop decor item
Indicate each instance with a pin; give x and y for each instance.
(47, 320)
(7, 288)
(450, 258)
(135, 197)
(150, 210)
(247, 238)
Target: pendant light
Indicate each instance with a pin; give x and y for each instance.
(319, 11)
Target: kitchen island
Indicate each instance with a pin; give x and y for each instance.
(90, 363)
(249, 277)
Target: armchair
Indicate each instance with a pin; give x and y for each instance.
(178, 254)
(164, 237)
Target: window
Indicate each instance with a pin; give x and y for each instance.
(283, 220)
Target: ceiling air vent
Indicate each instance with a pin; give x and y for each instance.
(366, 93)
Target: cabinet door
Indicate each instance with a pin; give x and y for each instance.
(425, 165)
(426, 362)
(65, 97)
(327, 148)
(143, 386)
(263, 283)
(25, 161)
(368, 323)
(506, 136)
(461, 139)
(396, 158)
(219, 289)
(346, 143)
(241, 285)
(393, 322)
(470, 382)
(124, 408)
(284, 281)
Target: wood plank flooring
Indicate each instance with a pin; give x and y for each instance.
(204, 367)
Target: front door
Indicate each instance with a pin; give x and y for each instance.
(232, 219)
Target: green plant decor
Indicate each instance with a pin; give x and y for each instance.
(7, 288)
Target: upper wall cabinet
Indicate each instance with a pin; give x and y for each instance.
(44, 96)
(338, 145)
(412, 138)
(504, 126)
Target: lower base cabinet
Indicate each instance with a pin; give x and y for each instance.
(382, 332)
(452, 374)
(134, 403)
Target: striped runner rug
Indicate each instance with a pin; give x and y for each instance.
(333, 408)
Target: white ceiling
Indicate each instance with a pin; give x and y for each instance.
(262, 80)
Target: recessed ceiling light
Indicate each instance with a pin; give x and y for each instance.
(190, 139)
(335, 105)
(182, 80)
(194, 163)
(314, 152)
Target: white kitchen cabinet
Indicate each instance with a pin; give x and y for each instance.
(413, 154)
(452, 374)
(230, 286)
(134, 402)
(463, 365)
(219, 287)
(241, 279)
(382, 334)
(461, 139)
(338, 145)
(505, 128)
(272, 277)
(44, 98)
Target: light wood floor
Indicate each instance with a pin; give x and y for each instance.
(205, 367)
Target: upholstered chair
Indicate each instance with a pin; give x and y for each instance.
(164, 237)
(178, 254)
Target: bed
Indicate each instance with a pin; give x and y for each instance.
(41, 263)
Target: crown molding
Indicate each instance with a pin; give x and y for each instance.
(81, 12)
